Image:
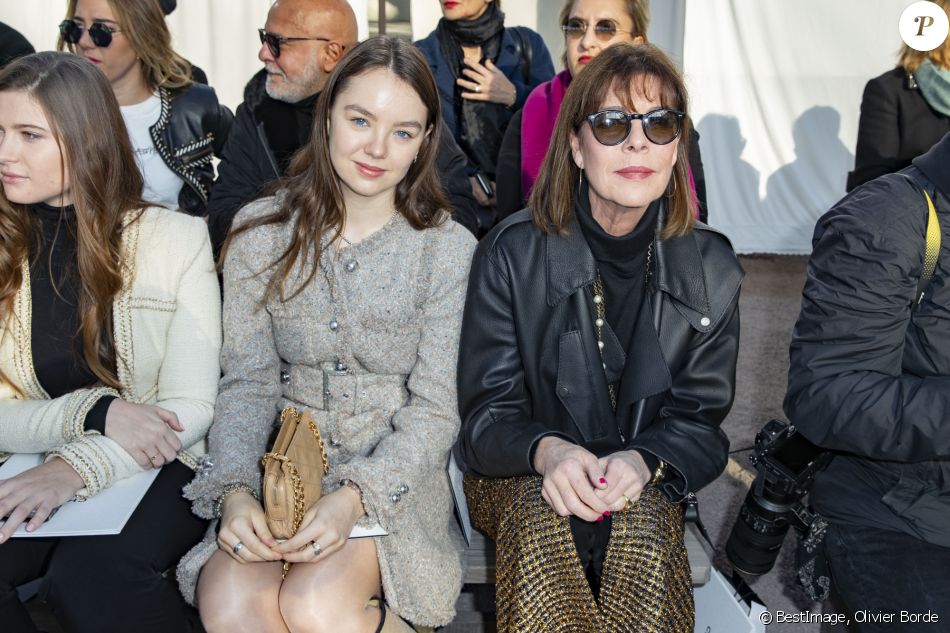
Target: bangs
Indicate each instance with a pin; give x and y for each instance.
(648, 86)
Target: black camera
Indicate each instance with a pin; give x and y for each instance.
(787, 464)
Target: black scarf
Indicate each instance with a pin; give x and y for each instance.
(481, 125)
(287, 126)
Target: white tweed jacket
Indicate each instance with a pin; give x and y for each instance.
(167, 329)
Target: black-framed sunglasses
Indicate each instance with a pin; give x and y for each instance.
(604, 30)
(612, 127)
(275, 41)
(100, 33)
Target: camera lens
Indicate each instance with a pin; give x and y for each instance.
(757, 537)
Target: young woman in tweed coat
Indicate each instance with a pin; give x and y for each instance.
(343, 295)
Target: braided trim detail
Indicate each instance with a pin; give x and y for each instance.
(171, 159)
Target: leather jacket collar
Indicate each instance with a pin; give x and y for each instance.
(679, 267)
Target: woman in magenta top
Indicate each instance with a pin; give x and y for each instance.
(590, 26)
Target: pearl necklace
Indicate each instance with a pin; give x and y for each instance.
(600, 314)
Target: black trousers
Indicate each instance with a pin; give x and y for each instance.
(890, 582)
(101, 584)
(590, 539)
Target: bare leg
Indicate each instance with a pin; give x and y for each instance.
(331, 595)
(236, 598)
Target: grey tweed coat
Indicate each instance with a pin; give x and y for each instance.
(388, 423)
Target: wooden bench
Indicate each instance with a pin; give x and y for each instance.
(476, 605)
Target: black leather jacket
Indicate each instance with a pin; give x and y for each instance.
(529, 364)
(191, 129)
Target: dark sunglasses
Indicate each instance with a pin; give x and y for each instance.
(612, 127)
(274, 41)
(604, 30)
(100, 33)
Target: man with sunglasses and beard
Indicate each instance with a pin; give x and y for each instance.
(301, 43)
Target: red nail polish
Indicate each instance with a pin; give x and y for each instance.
(607, 513)
(600, 518)
(602, 480)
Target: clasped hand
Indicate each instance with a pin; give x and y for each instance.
(35, 493)
(575, 482)
(146, 432)
(328, 522)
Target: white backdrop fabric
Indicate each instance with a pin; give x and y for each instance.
(776, 90)
(775, 87)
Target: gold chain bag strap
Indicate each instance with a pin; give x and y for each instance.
(293, 472)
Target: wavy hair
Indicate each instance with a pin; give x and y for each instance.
(910, 59)
(100, 171)
(313, 195)
(621, 68)
(143, 23)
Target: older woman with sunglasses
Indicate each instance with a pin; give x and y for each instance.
(597, 361)
(175, 125)
(590, 27)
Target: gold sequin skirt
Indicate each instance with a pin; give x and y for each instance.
(540, 585)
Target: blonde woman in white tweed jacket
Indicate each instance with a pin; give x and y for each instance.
(361, 328)
(110, 314)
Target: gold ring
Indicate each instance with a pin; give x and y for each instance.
(629, 503)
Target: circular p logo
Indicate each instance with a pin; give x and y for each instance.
(924, 26)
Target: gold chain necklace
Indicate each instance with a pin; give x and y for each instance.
(600, 314)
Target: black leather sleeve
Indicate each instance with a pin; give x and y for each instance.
(221, 128)
(498, 433)
(686, 433)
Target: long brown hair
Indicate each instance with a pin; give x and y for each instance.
(910, 59)
(619, 68)
(143, 22)
(100, 171)
(312, 188)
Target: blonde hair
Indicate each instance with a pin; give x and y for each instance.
(143, 23)
(910, 59)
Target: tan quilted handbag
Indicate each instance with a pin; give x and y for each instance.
(293, 472)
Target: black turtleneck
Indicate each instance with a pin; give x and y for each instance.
(58, 358)
(621, 262)
(287, 126)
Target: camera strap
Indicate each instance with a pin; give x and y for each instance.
(933, 239)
